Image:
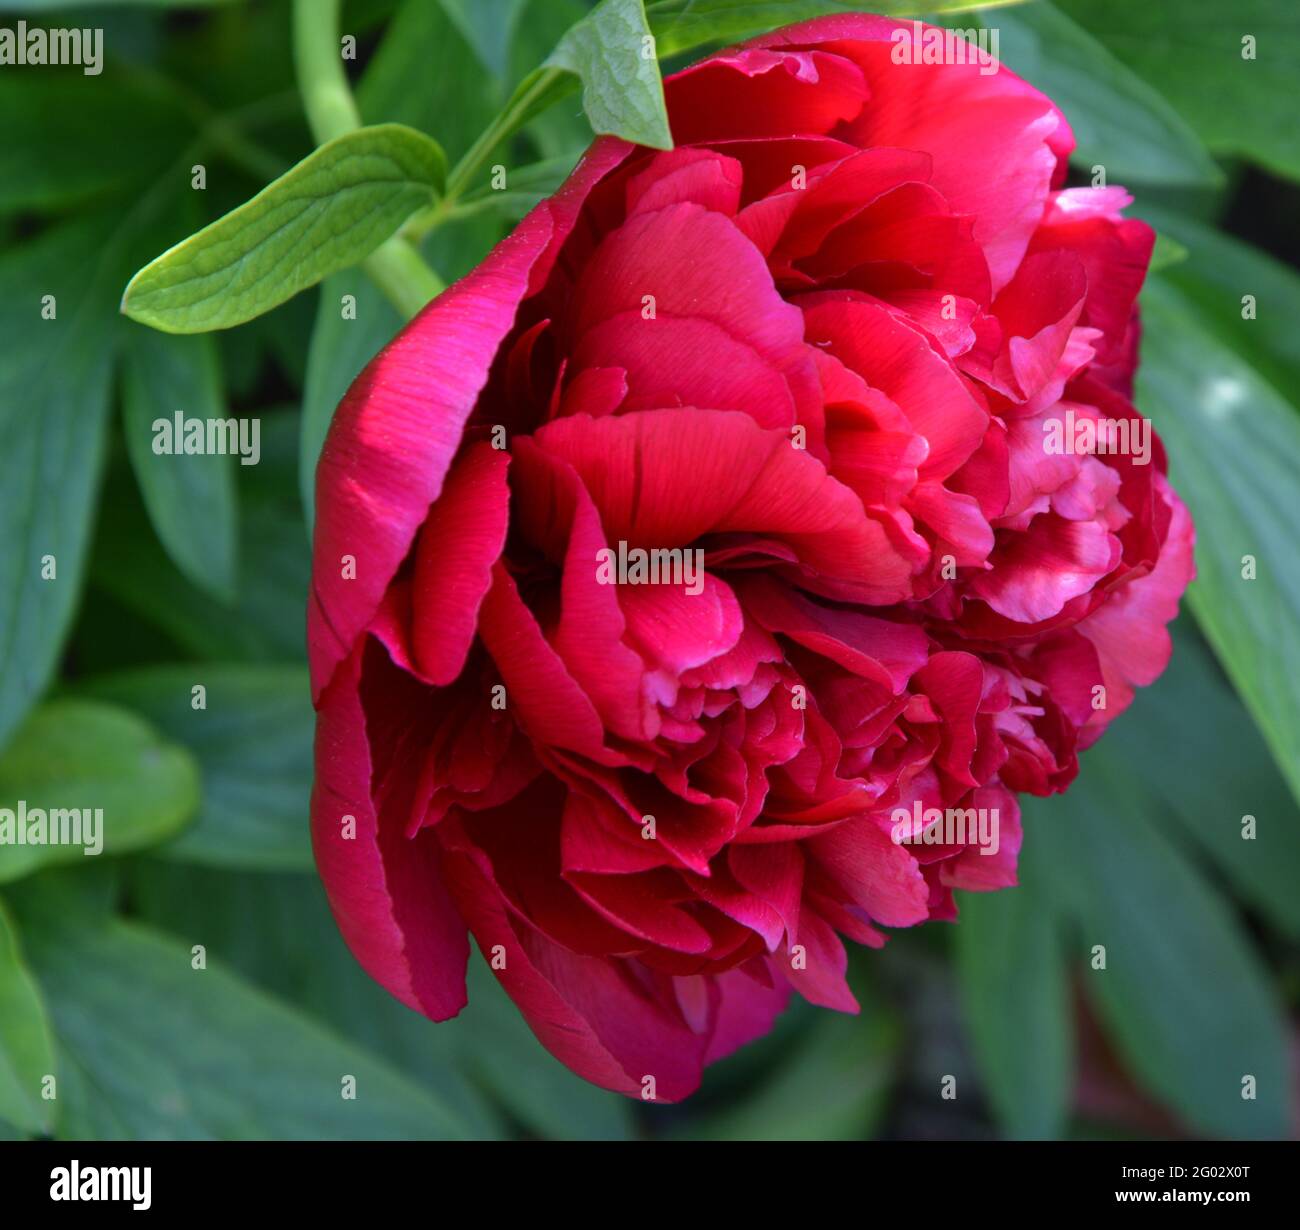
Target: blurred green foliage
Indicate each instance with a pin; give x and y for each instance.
(198, 578)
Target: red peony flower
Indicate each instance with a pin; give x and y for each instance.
(698, 582)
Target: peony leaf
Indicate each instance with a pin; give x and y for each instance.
(1227, 68)
(1119, 121)
(253, 746)
(1224, 278)
(1193, 743)
(1183, 994)
(92, 757)
(55, 375)
(266, 622)
(265, 924)
(191, 499)
(26, 1044)
(488, 26)
(330, 211)
(1234, 451)
(153, 1048)
(1011, 970)
(612, 53)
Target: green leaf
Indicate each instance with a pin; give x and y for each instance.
(191, 499)
(154, 1049)
(1219, 273)
(488, 26)
(1119, 121)
(253, 744)
(1194, 58)
(93, 757)
(612, 53)
(424, 73)
(54, 382)
(330, 211)
(340, 348)
(1191, 742)
(1234, 452)
(524, 188)
(1184, 996)
(57, 6)
(680, 25)
(69, 138)
(266, 624)
(277, 931)
(1011, 968)
(26, 1044)
(1167, 253)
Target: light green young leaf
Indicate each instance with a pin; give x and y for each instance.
(26, 1044)
(191, 499)
(330, 211)
(1234, 452)
(612, 52)
(95, 758)
(253, 744)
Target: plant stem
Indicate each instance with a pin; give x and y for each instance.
(396, 267)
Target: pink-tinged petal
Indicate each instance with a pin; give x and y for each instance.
(607, 1019)
(818, 971)
(555, 513)
(896, 358)
(1037, 572)
(747, 1009)
(980, 872)
(885, 652)
(955, 520)
(541, 693)
(458, 545)
(399, 426)
(386, 891)
(1129, 630)
(677, 630)
(594, 391)
(873, 872)
(1115, 253)
(694, 176)
(745, 94)
(665, 478)
(950, 110)
(1037, 312)
(680, 300)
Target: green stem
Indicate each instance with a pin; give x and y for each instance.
(317, 55)
(395, 266)
(516, 112)
(399, 270)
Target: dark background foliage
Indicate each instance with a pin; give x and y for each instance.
(195, 574)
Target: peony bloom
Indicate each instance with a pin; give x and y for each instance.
(755, 511)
